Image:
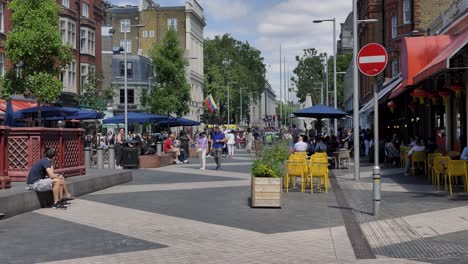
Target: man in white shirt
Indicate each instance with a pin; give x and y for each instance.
(418, 147)
(300, 146)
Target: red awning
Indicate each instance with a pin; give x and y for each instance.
(17, 104)
(441, 62)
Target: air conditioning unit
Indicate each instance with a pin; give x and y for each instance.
(140, 52)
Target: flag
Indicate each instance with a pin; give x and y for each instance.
(211, 104)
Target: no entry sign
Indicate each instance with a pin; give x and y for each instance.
(372, 59)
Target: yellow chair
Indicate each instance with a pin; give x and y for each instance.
(430, 163)
(318, 169)
(403, 156)
(456, 168)
(453, 154)
(418, 157)
(296, 167)
(438, 169)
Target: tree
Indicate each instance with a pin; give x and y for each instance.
(245, 68)
(35, 46)
(342, 63)
(171, 91)
(92, 95)
(309, 74)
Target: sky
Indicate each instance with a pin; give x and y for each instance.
(267, 24)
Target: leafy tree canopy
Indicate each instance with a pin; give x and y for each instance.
(92, 95)
(35, 46)
(309, 74)
(229, 60)
(171, 91)
(342, 63)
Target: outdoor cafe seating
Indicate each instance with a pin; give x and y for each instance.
(307, 170)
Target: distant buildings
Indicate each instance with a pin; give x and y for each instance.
(148, 24)
(263, 109)
(345, 43)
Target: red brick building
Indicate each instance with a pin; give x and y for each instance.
(80, 27)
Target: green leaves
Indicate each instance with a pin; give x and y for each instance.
(271, 160)
(171, 92)
(35, 43)
(309, 74)
(92, 96)
(246, 68)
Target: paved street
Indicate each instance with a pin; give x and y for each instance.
(180, 214)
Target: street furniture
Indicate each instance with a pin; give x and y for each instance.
(416, 158)
(456, 168)
(439, 169)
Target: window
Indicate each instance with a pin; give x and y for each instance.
(68, 77)
(130, 96)
(85, 70)
(129, 69)
(125, 25)
(394, 27)
(85, 10)
(68, 31)
(1, 18)
(395, 67)
(2, 64)
(87, 41)
(128, 47)
(172, 22)
(145, 33)
(151, 33)
(406, 12)
(66, 3)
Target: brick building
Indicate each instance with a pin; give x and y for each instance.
(79, 24)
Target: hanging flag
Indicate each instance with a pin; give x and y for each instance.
(211, 104)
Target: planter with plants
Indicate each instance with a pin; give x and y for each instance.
(267, 175)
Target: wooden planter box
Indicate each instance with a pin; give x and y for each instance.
(267, 192)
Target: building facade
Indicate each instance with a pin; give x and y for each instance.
(149, 24)
(263, 109)
(345, 43)
(80, 28)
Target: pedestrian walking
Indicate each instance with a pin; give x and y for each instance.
(218, 143)
(248, 140)
(231, 141)
(119, 143)
(202, 146)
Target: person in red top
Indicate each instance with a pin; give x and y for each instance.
(169, 148)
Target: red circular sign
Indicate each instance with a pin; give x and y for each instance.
(372, 59)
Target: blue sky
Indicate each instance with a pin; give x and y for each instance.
(268, 23)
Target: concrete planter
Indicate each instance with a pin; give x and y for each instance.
(267, 192)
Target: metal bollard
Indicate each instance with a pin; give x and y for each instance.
(111, 156)
(159, 146)
(376, 185)
(87, 157)
(100, 158)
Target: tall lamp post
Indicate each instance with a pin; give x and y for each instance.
(228, 99)
(334, 63)
(125, 30)
(356, 88)
(240, 121)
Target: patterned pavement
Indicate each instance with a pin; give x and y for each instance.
(180, 214)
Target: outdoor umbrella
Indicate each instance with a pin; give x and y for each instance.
(133, 117)
(48, 111)
(174, 122)
(9, 119)
(320, 112)
(82, 114)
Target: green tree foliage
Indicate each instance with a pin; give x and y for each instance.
(342, 63)
(171, 91)
(245, 67)
(92, 95)
(36, 45)
(309, 73)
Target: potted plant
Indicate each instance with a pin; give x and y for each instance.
(267, 173)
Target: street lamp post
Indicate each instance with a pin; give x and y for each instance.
(334, 63)
(127, 28)
(228, 109)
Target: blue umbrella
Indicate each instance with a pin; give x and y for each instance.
(48, 111)
(319, 112)
(133, 117)
(9, 119)
(82, 114)
(173, 122)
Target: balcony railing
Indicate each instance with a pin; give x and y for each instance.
(457, 9)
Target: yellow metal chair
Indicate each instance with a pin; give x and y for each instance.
(403, 156)
(456, 168)
(319, 170)
(430, 163)
(438, 169)
(296, 167)
(416, 158)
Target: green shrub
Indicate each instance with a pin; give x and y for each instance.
(271, 160)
